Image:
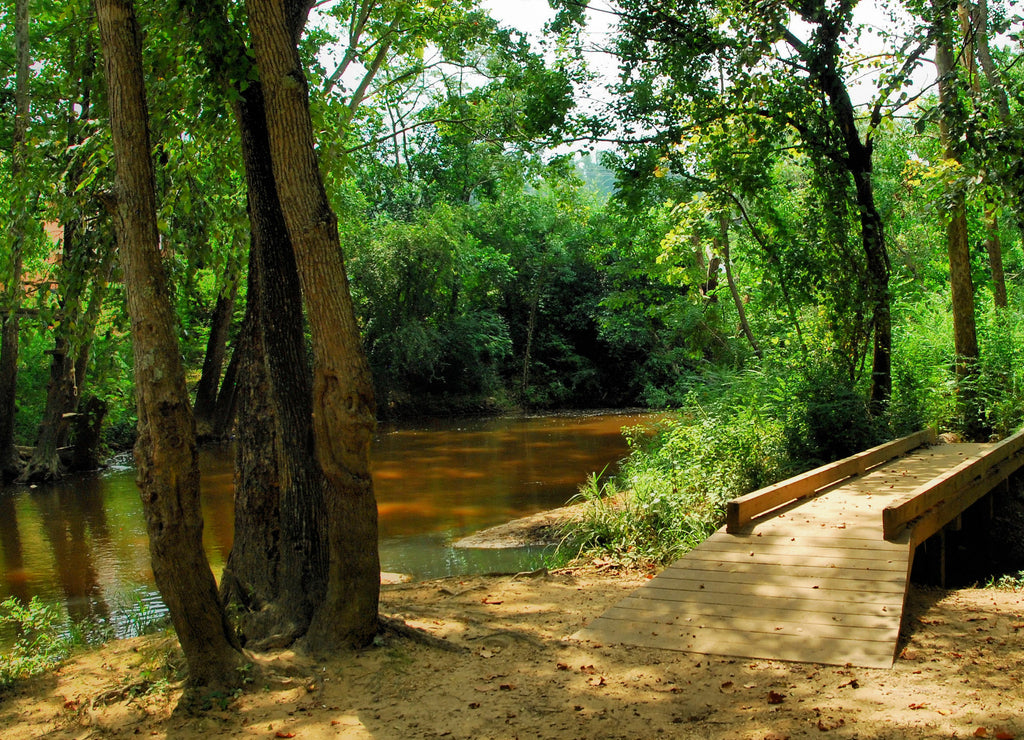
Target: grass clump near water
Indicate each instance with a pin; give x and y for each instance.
(45, 637)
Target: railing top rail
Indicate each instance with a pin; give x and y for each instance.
(743, 509)
(968, 474)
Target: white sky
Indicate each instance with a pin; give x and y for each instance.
(531, 15)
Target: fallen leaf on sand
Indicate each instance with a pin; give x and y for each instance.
(494, 600)
(596, 681)
(830, 724)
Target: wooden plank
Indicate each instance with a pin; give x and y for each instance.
(767, 569)
(985, 468)
(871, 565)
(762, 583)
(872, 654)
(757, 625)
(819, 604)
(795, 536)
(743, 509)
(757, 592)
(862, 550)
(783, 611)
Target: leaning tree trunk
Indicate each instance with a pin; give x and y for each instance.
(168, 470)
(10, 463)
(343, 402)
(823, 59)
(741, 311)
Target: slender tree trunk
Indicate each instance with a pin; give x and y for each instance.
(10, 462)
(974, 23)
(343, 402)
(965, 339)
(531, 326)
(994, 248)
(741, 311)
(227, 398)
(205, 407)
(93, 310)
(168, 470)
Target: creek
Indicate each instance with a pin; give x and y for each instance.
(82, 543)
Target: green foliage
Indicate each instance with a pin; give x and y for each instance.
(1007, 582)
(43, 642)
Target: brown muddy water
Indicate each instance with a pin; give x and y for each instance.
(82, 543)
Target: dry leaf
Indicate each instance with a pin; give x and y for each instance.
(596, 681)
(830, 724)
(1005, 735)
(282, 733)
(493, 600)
(981, 732)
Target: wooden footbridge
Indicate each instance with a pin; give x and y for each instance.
(815, 568)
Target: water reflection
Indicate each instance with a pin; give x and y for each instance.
(83, 543)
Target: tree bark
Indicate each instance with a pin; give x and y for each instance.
(10, 461)
(168, 470)
(343, 402)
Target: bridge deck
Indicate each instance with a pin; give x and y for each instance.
(814, 581)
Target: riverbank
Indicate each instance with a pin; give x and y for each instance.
(516, 672)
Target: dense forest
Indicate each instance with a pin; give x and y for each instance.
(797, 223)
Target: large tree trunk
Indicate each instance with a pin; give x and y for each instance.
(10, 462)
(343, 403)
(289, 580)
(168, 470)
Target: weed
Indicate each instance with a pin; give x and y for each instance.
(43, 640)
(1006, 582)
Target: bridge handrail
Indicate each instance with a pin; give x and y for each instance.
(743, 509)
(947, 495)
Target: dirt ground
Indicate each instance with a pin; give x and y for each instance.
(518, 674)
